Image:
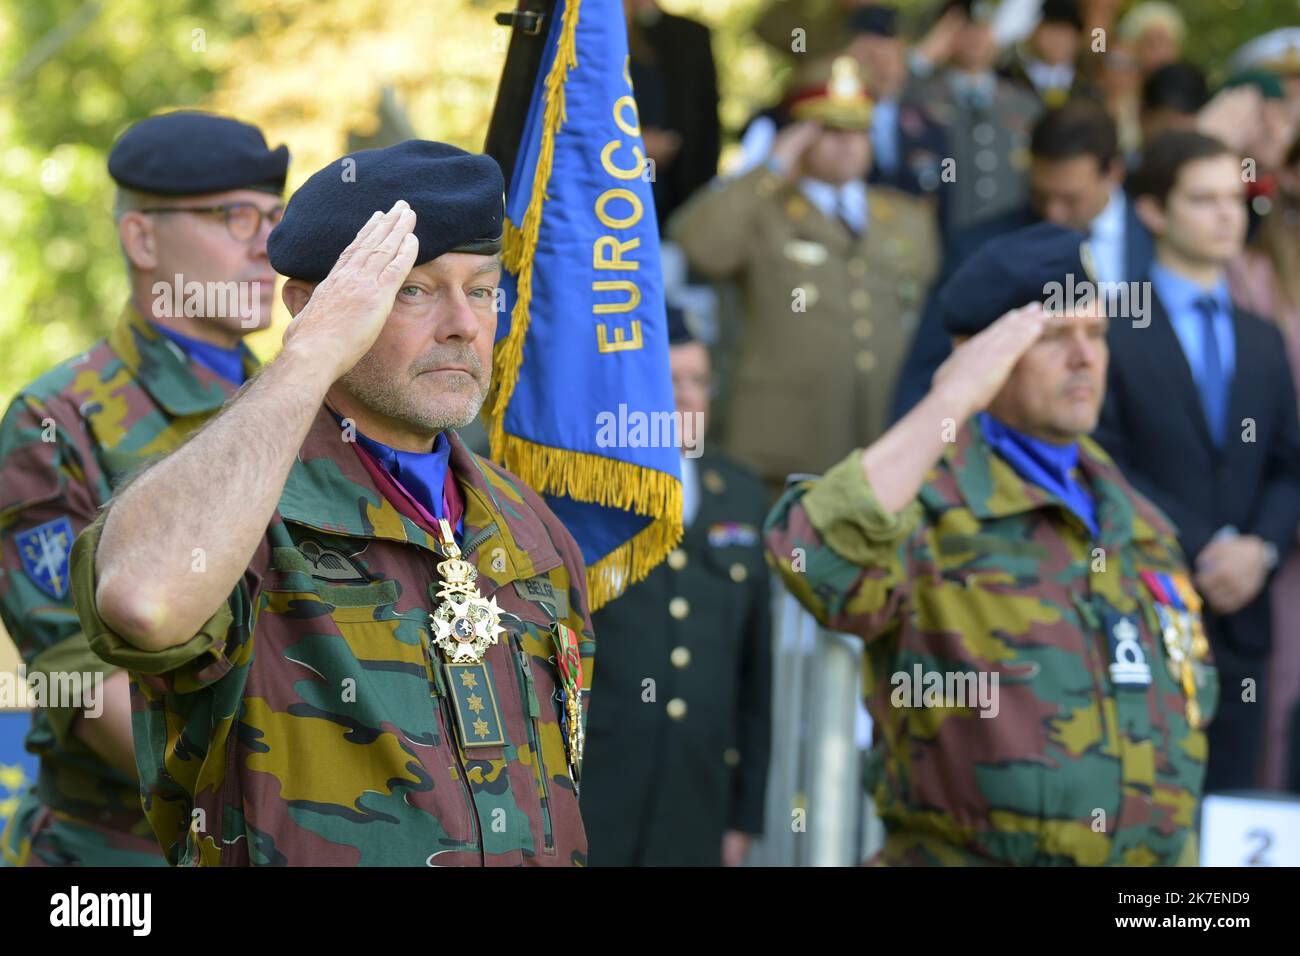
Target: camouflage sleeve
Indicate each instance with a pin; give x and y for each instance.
(199, 662)
(48, 493)
(840, 553)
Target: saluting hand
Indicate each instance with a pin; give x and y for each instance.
(790, 145)
(349, 307)
(978, 368)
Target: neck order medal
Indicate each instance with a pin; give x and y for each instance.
(465, 624)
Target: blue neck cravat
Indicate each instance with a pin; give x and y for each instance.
(421, 473)
(228, 363)
(1041, 463)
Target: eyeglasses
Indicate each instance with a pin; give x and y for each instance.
(243, 219)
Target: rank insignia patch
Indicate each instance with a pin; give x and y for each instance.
(475, 702)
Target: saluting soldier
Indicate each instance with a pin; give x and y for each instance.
(197, 196)
(680, 728)
(834, 274)
(1037, 666)
(987, 119)
(357, 643)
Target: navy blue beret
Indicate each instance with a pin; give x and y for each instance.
(189, 153)
(679, 328)
(1010, 272)
(458, 199)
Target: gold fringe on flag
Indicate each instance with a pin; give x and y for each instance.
(559, 471)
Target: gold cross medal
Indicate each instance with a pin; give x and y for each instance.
(465, 624)
(463, 627)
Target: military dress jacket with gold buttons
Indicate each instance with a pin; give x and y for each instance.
(988, 144)
(310, 722)
(828, 315)
(677, 749)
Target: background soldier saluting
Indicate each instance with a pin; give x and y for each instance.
(1005, 544)
(834, 275)
(197, 197)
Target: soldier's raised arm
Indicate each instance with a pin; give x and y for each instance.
(716, 228)
(218, 492)
(840, 543)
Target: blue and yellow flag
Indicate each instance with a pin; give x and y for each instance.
(582, 399)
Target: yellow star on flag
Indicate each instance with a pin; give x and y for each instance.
(475, 702)
(469, 678)
(481, 727)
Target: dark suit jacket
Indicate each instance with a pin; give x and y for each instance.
(931, 344)
(683, 57)
(660, 785)
(1153, 426)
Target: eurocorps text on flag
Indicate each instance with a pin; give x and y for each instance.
(586, 330)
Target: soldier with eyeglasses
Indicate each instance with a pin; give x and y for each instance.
(197, 196)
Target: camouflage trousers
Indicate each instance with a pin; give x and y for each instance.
(40, 836)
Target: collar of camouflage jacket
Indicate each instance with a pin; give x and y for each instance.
(330, 490)
(991, 489)
(179, 386)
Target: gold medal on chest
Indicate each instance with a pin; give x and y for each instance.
(465, 624)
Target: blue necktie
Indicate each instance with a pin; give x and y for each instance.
(1214, 389)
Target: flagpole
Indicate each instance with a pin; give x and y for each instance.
(529, 23)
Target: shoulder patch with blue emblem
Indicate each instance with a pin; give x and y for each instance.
(45, 552)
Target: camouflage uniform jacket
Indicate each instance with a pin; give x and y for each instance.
(986, 574)
(66, 440)
(310, 722)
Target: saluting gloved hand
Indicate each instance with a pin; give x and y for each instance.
(349, 307)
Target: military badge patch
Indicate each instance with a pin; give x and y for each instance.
(1128, 662)
(474, 700)
(45, 551)
(727, 533)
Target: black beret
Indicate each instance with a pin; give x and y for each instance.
(679, 327)
(458, 199)
(877, 19)
(1010, 272)
(189, 153)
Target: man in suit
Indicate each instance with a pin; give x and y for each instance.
(1076, 177)
(677, 93)
(678, 734)
(1200, 415)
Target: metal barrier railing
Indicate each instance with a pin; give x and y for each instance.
(818, 813)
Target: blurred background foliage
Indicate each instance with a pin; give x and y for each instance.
(322, 76)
